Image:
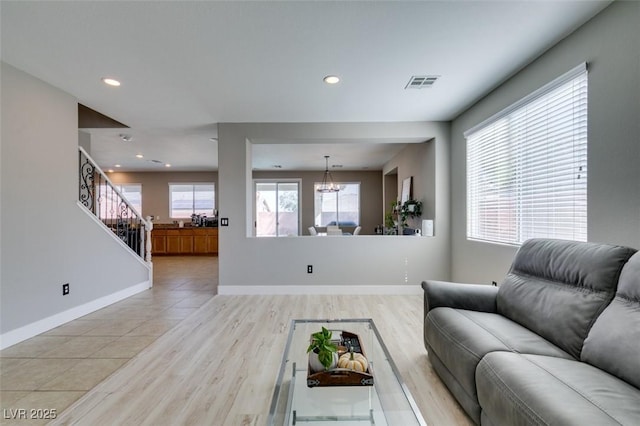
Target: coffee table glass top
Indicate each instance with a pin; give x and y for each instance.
(387, 402)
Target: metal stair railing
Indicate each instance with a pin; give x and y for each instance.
(103, 199)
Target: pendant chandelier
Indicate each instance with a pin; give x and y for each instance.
(327, 182)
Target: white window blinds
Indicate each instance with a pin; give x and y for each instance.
(186, 199)
(527, 167)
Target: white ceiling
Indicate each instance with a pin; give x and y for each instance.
(352, 154)
(186, 65)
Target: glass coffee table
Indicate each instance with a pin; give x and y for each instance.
(386, 402)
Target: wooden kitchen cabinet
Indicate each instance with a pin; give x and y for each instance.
(199, 244)
(205, 240)
(158, 243)
(184, 241)
(212, 243)
(186, 244)
(173, 241)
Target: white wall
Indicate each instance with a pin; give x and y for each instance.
(610, 43)
(338, 261)
(155, 189)
(418, 162)
(47, 239)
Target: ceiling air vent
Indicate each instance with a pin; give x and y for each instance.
(421, 81)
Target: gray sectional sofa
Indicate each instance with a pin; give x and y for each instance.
(557, 343)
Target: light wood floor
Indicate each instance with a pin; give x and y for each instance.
(54, 369)
(218, 365)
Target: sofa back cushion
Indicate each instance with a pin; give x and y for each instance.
(557, 288)
(613, 343)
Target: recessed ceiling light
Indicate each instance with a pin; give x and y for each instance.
(139, 156)
(213, 139)
(337, 166)
(117, 165)
(125, 137)
(111, 81)
(110, 170)
(331, 79)
(167, 165)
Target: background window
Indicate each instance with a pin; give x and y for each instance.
(108, 202)
(342, 207)
(186, 199)
(277, 208)
(527, 167)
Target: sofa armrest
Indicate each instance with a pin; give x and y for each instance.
(473, 297)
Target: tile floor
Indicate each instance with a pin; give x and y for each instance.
(54, 369)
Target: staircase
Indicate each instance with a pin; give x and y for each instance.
(102, 199)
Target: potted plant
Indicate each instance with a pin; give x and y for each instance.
(390, 220)
(323, 354)
(410, 208)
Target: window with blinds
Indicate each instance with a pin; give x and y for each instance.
(527, 167)
(186, 199)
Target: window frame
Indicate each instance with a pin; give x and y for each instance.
(193, 185)
(276, 182)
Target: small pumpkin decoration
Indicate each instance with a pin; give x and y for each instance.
(353, 361)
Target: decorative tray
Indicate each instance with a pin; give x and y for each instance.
(343, 376)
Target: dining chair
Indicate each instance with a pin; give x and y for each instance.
(357, 230)
(312, 231)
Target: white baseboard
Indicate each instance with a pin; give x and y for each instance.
(18, 335)
(319, 289)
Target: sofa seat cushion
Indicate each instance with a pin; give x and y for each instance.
(460, 339)
(517, 389)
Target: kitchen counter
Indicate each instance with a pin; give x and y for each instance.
(173, 240)
(187, 225)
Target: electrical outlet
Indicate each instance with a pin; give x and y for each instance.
(65, 289)
(309, 269)
(224, 221)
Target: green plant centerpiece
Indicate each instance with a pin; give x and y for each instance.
(323, 354)
(410, 208)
